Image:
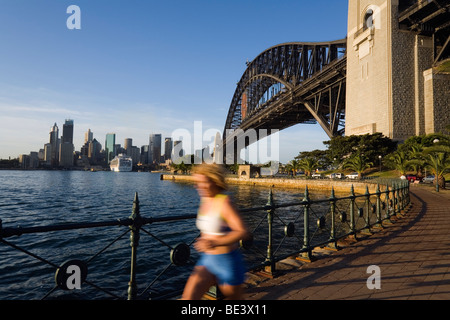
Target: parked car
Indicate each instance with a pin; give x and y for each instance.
(316, 175)
(411, 178)
(336, 176)
(353, 175)
(428, 179)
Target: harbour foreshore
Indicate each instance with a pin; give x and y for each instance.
(339, 186)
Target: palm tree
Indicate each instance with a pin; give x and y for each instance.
(358, 163)
(437, 159)
(308, 164)
(399, 161)
(416, 161)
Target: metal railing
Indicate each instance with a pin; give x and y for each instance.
(279, 231)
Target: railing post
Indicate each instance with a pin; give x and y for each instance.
(379, 224)
(134, 242)
(400, 197)
(269, 268)
(366, 229)
(332, 244)
(387, 214)
(406, 203)
(407, 187)
(306, 255)
(387, 207)
(352, 214)
(394, 201)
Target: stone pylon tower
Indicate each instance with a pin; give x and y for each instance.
(392, 87)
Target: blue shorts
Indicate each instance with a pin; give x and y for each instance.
(228, 268)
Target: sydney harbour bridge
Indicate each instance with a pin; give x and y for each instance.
(292, 83)
(305, 82)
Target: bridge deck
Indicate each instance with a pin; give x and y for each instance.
(413, 255)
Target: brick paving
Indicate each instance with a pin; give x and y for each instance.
(413, 255)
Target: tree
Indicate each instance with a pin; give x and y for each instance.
(398, 161)
(184, 168)
(371, 145)
(322, 157)
(292, 166)
(416, 161)
(358, 163)
(419, 152)
(308, 164)
(437, 159)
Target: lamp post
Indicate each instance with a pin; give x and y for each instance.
(436, 141)
(379, 158)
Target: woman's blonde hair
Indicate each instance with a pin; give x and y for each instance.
(216, 173)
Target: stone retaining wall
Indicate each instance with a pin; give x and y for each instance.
(340, 186)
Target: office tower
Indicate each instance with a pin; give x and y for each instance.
(66, 154)
(94, 151)
(110, 151)
(127, 146)
(167, 148)
(54, 141)
(88, 136)
(67, 131)
(144, 154)
(66, 148)
(41, 155)
(155, 148)
(135, 154)
(119, 149)
(34, 159)
(48, 154)
(24, 161)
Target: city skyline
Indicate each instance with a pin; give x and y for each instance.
(109, 147)
(136, 68)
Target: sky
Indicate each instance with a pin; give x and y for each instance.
(137, 67)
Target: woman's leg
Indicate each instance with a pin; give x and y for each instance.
(232, 292)
(198, 283)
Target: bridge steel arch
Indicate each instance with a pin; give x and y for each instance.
(291, 83)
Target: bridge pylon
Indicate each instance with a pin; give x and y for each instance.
(393, 83)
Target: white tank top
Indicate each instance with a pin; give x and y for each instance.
(213, 222)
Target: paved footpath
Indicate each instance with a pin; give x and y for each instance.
(413, 255)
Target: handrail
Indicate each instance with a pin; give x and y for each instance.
(328, 222)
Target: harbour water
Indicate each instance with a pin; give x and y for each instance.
(38, 198)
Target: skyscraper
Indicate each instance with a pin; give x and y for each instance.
(94, 151)
(167, 148)
(110, 151)
(155, 148)
(66, 148)
(127, 146)
(88, 136)
(67, 131)
(54, 141)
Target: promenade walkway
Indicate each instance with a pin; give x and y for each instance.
(413, 255)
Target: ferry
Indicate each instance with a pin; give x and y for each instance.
(121, 163)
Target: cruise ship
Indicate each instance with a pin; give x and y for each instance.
(121, 163)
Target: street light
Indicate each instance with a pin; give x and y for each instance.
(379, 158)
(436, 141)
